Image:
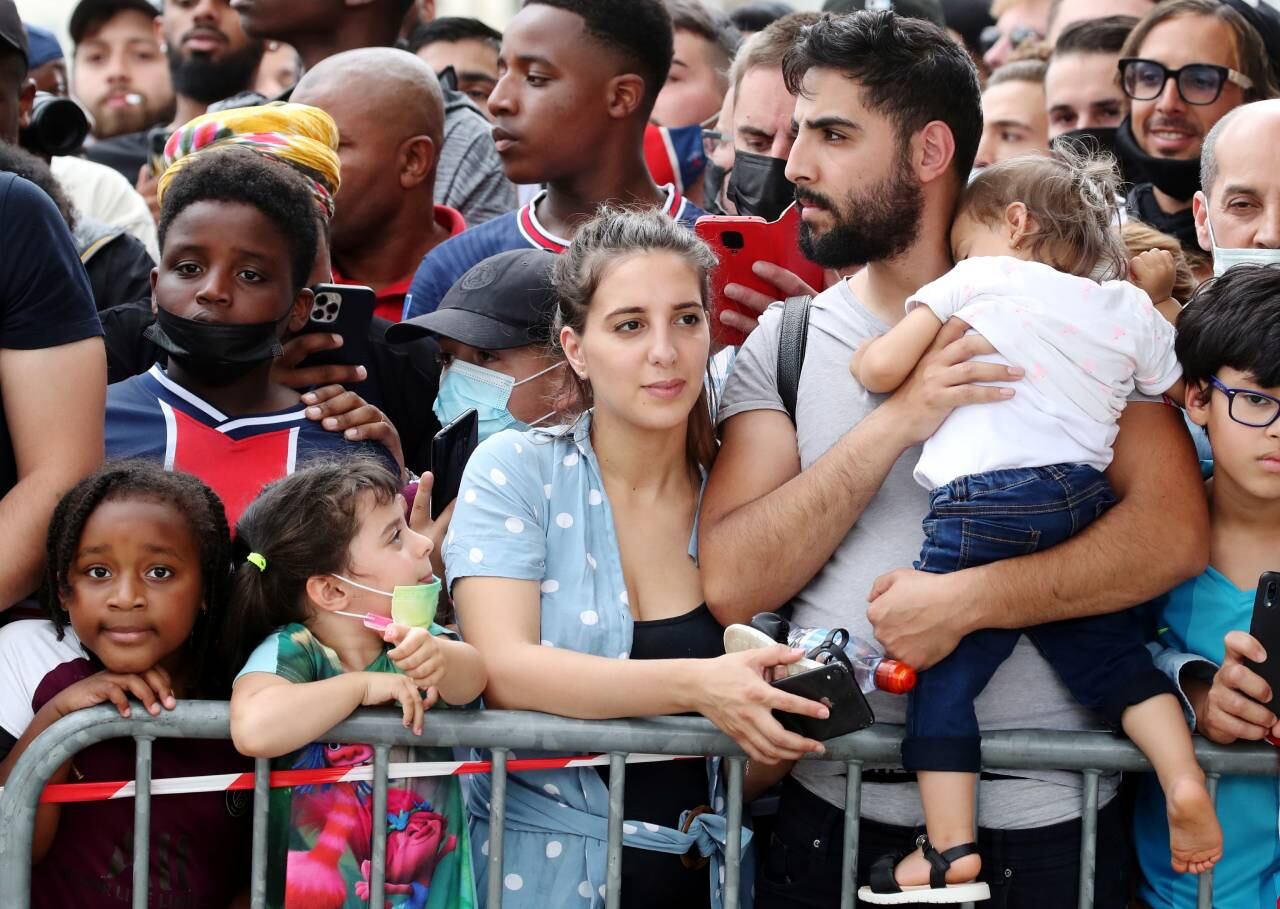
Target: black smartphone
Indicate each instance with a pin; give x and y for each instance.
(450, 451)
(833, 685)
(342, 309)
(1265, 626)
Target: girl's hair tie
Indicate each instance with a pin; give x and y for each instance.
(258, 560)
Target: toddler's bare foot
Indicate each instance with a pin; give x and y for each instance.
(913, 871)
(1195, 839)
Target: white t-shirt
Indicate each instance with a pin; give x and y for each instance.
(1084, 346)
(29, 650)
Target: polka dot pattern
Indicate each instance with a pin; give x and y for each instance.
(589, 617)
(514, 525)
(584, 890)
(594, 497)
(550, 585)
(513, 882)
(564, 520)
(499, 478)
(476, 555)
(554, 848)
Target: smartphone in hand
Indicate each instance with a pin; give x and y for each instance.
(1265, 626)
(450, 450)
(346, 310)
(741, 241)
(832, 684)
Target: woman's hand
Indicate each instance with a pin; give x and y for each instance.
(736, 697)
(417, 654)
(153, 688)
(383, 687)
(339, 410)
(1232, 708)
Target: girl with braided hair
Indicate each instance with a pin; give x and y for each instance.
(1036, 255)
(136, 586)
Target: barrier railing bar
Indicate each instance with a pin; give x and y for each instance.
(852, 817)
(613, 861)
(1088, 838)
(503, 731)
(497, 824)
(1204, 886)
(732, 867)
(378, 851)
(141, 820)
(261, 803)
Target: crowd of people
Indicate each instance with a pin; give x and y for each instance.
(1025, 436)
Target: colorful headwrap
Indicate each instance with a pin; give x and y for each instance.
(304, 137)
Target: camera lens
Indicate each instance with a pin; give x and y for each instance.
(58, 126)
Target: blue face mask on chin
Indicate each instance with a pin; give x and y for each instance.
(465, 386)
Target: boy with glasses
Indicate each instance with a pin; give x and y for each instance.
(1227, 339)
(1185, 66)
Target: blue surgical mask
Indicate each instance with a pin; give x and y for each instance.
(1224, 258)
(465, 386)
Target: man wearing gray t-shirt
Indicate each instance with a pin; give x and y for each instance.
(819, 512)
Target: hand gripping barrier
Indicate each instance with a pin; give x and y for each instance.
(1089, 753)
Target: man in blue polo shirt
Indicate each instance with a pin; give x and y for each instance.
(578, 82)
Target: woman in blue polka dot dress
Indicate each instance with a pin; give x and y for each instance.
(569, 559)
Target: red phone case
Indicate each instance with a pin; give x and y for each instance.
(739, 242)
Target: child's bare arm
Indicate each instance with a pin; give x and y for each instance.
(1155, 272)
(271, 716)
(883, 363)
(454, 668)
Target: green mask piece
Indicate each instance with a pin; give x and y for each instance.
(412, 605)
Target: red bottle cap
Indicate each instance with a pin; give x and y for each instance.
(895, 677)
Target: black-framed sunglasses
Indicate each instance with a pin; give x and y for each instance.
(1198, 83)
(1249, 407)
(989, 37)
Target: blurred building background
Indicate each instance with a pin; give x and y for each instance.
(53, 14)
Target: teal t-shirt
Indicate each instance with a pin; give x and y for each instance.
(1194, 617)
(319, 837)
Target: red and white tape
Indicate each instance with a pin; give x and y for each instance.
(227, 782)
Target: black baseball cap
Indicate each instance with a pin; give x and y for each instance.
(12, 34)
(89, 11)
(503, 302)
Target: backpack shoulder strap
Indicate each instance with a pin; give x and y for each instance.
(792, 339)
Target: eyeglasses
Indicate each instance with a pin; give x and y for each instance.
(990, 36)
(1198, 83)
(1248, 407)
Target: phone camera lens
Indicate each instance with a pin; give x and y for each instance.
(733, 240)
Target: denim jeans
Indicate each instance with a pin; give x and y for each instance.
(986, 517)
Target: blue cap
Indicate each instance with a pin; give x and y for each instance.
(42, 46)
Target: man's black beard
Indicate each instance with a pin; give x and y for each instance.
(203, 79)
(878, 224)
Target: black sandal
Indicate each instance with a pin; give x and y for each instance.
(886, 891)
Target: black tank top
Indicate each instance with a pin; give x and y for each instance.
(659, 793)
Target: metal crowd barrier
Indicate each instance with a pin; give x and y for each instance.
(1089, 753)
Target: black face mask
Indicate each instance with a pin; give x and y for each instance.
(1177, 179)
(213, 353)
(758, 186)
(712, 182)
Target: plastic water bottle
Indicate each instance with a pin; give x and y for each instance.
(873, 671)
